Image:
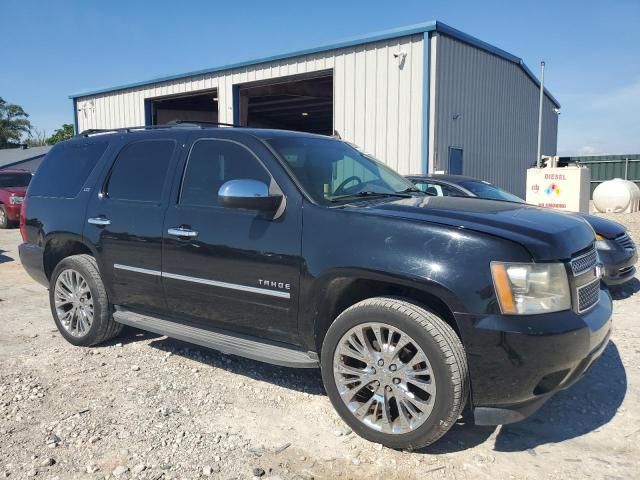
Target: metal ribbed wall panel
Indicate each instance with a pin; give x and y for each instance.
(487, 106)
(608, 167)
(377, 100)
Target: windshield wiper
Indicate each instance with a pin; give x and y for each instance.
(367, 193)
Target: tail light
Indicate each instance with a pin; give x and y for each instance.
(23, 220)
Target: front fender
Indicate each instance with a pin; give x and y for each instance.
(452, 264)
(338, 289)
(332, 280)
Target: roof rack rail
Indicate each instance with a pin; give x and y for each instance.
(93, 131)
(203, 123)
(172, 124)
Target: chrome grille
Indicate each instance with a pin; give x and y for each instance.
(625, 242)
(584, 262)
(588, 295)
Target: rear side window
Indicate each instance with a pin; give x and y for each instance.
(213, 163)
(140, 170)
(65, 169)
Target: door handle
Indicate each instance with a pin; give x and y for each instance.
(182, 232)
(100, 221)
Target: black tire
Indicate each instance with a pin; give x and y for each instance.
(103, 327)
(438, 341)
(4, 218)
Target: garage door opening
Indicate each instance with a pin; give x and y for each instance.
(291, 103)
(201, 107)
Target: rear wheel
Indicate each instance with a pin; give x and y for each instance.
(79, 302)
(395, 372)
(4, 218)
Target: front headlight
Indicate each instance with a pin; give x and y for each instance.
(15, 200)
(602, 243)
(530, 288)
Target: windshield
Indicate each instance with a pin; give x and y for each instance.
(14, 180)
(331, 171)
(490, 192)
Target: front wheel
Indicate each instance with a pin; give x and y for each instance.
(395, 372)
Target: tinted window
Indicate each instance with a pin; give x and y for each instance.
(449, 191)
(140, 170)
(211, 164)
(65, 169)
(14, 179)
(439, 190)
(489, 191)
(430, 188)
(333, 171)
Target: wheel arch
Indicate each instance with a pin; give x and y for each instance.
(62, 245)
(342, 290)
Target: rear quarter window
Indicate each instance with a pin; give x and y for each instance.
(65, 169)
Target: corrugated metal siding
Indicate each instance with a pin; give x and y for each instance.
(377, 104)
(607, 167)
(496, 105)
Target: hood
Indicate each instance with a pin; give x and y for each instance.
(548, 235)
(602, 226)
(17, 191)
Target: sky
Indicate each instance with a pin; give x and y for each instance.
(57, 48)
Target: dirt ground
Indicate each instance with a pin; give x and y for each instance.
(148, 407)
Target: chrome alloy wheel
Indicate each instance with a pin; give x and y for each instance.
(74, 303)
(384, 378)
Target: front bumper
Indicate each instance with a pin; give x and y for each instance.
(516, 363)
(618, 265)
(32, 259)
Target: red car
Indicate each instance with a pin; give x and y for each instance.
(13, 188)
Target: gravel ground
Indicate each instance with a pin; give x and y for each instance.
(148, 407)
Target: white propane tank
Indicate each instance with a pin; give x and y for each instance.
(617, 196)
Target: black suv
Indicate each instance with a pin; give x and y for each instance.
(298, 250)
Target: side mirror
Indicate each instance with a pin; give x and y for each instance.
(248, 194)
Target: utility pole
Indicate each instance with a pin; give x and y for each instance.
(539, 153)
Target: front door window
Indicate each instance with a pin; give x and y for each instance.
(213, 163)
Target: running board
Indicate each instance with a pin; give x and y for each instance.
(228, 343)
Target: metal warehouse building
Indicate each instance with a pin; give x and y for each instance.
(423, 98)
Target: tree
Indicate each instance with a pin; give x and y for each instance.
(63, 133)
(37, 138)
(14, 123)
